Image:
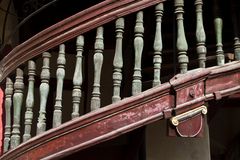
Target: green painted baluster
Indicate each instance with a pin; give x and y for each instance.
(44, 90)
(98, 60)
(60, 74)
(182, 45)
(237, 48)
(77, 77)
(218, 30)
(8, 105)
(200, 35)
(138, 47)
(17, 104)
(118, 61)
(29, 101)
(235, 20)
(157, 59)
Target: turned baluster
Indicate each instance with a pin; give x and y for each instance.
(44, 90)
(138, 48)
(98, 60)
(77, 77)
(29, 101)
(8, 104)
(17, 105)
(60, 74)
(182, 45)
(118, 61)
(235, 21)
(200, 35)
(218, 30)
(237, 48)
(157, 46)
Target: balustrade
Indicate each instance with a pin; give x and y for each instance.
(80, 88)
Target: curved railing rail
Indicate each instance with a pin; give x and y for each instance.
(131, 113)
(181, 99)
(69, 28)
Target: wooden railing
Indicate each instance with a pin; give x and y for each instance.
(155, 103)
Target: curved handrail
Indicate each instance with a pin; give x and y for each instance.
(69, 28)
(130, 113)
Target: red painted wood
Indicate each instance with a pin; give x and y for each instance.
(1, 120)
(223, 81)
(189, 91)
(69, 28)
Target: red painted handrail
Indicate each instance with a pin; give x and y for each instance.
(69, 28)
(130, 113)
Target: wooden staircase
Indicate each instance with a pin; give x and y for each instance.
(181, 99)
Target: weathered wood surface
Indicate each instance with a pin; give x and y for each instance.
(118, 61)
(157, 46)
(60, 74)
(29, 101)
(17, 107)
(44, 90)
(182, 45)
(97, 61)
(218, 23)
(69, 28)
(237, 48)
(8, 120)
(131, 113)
(200, 34)
(77, 77)
(138, 48)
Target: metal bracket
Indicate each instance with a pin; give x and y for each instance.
(177, 119)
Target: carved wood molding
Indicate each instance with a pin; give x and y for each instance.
(69, 28)
(130, 113)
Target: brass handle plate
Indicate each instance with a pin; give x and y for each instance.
(177, 119)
